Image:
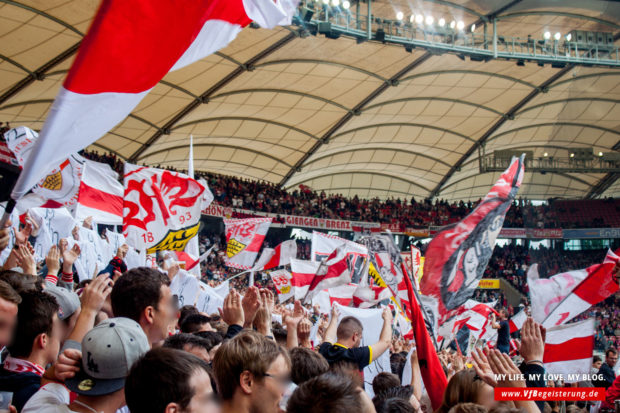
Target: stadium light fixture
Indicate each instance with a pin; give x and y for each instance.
(346, 4)
(335, 3)
(429, 20)
(557, 36)
(442, 22)
(452, 24)
(473, 27)
(399, 15)
(411, 18)
(460, 25)
(572, 155)
(600, 154)
(545, 154)
(419, 18)
(547, 35)
(569, 37)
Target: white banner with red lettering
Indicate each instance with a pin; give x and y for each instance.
(161, 209)
(244, 237)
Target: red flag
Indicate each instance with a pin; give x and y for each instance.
(277, 257)
(516, 321)
(434, 378)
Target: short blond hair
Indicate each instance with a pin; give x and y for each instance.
(247, 351)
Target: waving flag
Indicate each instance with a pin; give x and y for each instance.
(277, 257)
(130, 46)
(100, 195)
(60, 181)
(516, 321)
(161, 209)
(302, 275)
(337, 269)
(244, 238)
(324, 244)
(282, 281)
(569, 348)
(559, 299)
(458, 255)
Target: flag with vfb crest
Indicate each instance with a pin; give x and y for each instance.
(161, 209)
(244, 238)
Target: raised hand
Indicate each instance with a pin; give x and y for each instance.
(95, 293)
(232, 312)
(25, 259)
(52, 261)
(251, 303)
(532, 341)
(482, 367)
(5, 235)
(69, 255)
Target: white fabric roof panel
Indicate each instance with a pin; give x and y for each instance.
(267, 120)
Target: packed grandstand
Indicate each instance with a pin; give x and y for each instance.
(268, 206)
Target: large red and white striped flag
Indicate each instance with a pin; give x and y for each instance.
(244, 237)
(100, 195)
(337, 269)
(276, 257)
(303, 273)
(569, 348)
(516, 321)
(558, 299)
(130, 46)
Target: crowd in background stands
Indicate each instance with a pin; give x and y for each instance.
(267, 197)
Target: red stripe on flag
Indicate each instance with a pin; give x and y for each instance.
(598, 285)
(574, 349)
(343, 301)
(93, 198)
(131, 45)
(256, 243)
(301, 280)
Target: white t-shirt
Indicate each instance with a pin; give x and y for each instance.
(51, 398)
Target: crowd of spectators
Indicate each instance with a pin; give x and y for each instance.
(267, 197)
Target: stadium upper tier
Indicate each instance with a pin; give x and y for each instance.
(357, 116)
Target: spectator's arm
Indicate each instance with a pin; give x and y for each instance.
(93, 298)
(332, 327)
(416, 375)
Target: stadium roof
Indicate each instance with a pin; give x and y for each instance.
(367, 118)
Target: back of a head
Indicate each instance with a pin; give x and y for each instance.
(181, 340)
(135, 290)
(327, 393)
(394, 399)
(186, 310)
(8, 293)
(160, 377)
(384, 381)
(347, 327)
(21, 282)
(462, 388)
(468, 408)
(193, 323)
(213, 338)
(249, 351)
(306, 364)
(35, 315)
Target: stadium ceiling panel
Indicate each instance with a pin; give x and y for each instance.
(355, 118)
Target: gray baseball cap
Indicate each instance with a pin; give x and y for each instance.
(108, 352)
(68, 301)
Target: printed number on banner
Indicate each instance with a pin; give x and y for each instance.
(148, 237)
(186, 217)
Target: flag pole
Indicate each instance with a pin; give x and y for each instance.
(8, 210)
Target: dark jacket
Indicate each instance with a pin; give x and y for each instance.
(22, 385)
(529, 371)
(608, 376)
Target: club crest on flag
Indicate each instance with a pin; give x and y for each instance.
(234, 247)
(53, 182)
(175, 240)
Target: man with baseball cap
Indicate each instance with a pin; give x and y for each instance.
(108, 352)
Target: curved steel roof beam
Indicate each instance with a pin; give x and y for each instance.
(219, 170)
(381, 148)
(43, 14)
(474, 72)
(284, 91)
(322, 62)
(576, 78)
(360, 172)
(553, 102)
(415, 125)
(431, 98)
(218, 145)
(540, 125)
(558, 13)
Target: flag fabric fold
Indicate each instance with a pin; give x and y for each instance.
(244, 238)
(569, 348)
(100, 195)
(276, 257)
(129, 48)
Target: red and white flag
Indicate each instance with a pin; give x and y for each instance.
(569, 348)
(100, 195)
(458, 255)
(516, 321)
(244, 238)
(282, 281)
(161, 209)
(130, 46)
(336, 269)
(324, 244)
(417, 265)
(473, 314)
(303, 273)
(369, 296)
(276, 257)
(61, 181)
(558, 299)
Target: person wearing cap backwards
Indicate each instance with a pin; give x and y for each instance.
(109, 350)
(35, 344)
